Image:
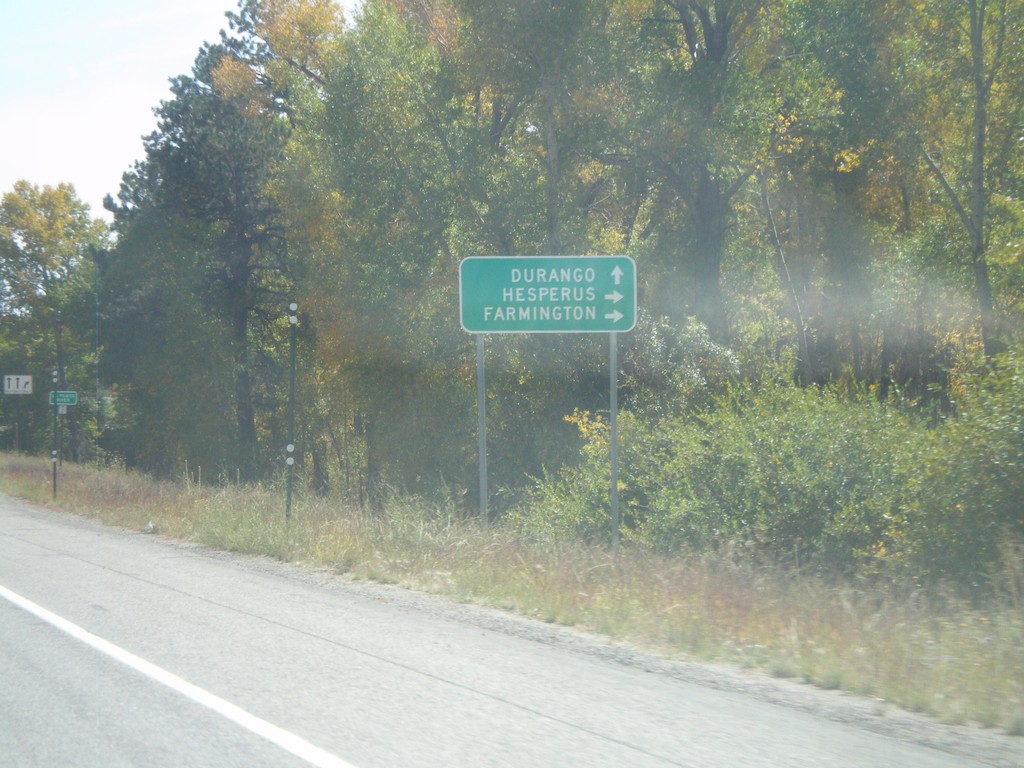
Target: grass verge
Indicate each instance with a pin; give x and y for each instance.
(925, 652)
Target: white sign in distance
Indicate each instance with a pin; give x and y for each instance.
(16, 384)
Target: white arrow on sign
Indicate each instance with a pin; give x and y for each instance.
(617, 273)
(614, 316)
(614, 297)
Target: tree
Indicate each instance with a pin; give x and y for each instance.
(45, 239)
(705, 128)
(536, 52)
(829, 185)
(984, 38)
(420, 141)
(207, 174)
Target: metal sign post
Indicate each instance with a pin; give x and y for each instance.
(613, 423)
(481, 409)
(60, 402)
(53, 453)
(293, 321)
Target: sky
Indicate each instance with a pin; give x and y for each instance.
(79, 82)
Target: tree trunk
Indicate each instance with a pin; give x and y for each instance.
(550, 83)
(978, 202)
(709, 213)
(321, 480)
(973, 214)
(244, 411)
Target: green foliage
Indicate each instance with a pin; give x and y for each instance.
(815, 479)
(48, 243)
(377, 278)
(197, 277)
(797, 474)
(965, 502)
(668, 368)
(792, 474)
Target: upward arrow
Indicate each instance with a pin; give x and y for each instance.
(617, 273)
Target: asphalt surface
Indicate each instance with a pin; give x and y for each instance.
(124, 649)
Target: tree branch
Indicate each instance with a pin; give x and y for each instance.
(954, 199)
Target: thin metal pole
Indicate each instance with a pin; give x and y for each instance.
(613, 376)
(481, 407)
(99, 391)
(293, 320)
(53, 454)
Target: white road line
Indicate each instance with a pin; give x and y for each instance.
(287, 740)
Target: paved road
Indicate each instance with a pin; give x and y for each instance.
(118, 648)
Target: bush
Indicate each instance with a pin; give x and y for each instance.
(666, 366)
(793, 474)
(965, 504)
(814, 479)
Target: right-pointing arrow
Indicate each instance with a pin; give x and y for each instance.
(614, 297)
(614, 316)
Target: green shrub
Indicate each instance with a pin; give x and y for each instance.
(814, 479)
(792, 474)
(665, 365)
(796, 474)
(965, 505)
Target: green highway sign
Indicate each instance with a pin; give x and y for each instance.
(547, 294)
(63, 398)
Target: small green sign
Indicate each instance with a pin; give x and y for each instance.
(547, 294)
(63, 398)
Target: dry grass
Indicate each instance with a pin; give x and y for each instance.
(927, 653)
